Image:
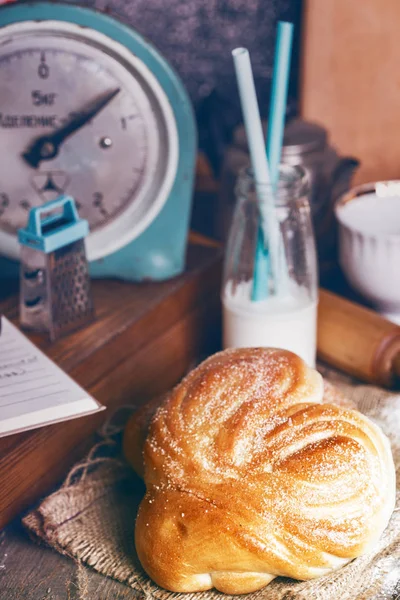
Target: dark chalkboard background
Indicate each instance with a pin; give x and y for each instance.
(197, 37)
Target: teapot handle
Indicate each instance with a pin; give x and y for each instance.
(339, 183)
(343, 172)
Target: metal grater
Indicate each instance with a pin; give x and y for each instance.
(55, 285)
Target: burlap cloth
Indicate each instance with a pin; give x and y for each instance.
(91, 518)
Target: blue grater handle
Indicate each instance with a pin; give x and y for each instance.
(66, 226)
(68, 216)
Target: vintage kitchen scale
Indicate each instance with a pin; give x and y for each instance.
(90, 109)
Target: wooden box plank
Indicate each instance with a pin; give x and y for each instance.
(145, 337)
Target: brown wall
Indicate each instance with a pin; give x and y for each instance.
(351, 79)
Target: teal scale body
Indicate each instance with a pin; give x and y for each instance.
(157, 253)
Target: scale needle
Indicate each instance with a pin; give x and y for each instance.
(46, 147)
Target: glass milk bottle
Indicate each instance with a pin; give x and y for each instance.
(281, 314)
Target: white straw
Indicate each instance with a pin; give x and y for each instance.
(259, 162)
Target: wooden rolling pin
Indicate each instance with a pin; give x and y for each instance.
(358, 340)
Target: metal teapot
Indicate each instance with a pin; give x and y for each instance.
(330, 175)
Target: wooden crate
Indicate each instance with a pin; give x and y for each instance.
(145, 337)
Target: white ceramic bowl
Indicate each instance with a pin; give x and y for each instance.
(369, 243)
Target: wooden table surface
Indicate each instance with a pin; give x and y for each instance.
(32, 572)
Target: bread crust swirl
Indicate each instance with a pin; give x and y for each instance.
(249, 476)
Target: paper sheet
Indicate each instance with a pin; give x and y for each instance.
(34, 390)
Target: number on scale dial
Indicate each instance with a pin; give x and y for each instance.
(73, 119)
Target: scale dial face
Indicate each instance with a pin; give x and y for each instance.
(79, 114)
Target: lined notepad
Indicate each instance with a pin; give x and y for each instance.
(33, 390)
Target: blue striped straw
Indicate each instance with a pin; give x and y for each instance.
(276, 126)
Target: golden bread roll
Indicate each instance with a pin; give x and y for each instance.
(138, 425)
(136, 432)
(250, 476)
